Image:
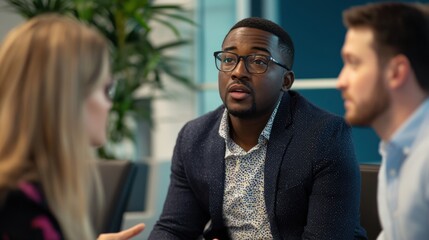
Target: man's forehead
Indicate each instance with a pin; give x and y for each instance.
(251, 35)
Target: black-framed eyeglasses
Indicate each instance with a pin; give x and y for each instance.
(254, 63)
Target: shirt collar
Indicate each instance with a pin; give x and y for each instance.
(404, 137)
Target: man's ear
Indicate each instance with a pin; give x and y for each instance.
(288, 79)
(398, 71)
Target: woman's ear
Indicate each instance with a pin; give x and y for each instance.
(288, 79)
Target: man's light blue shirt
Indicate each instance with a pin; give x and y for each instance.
(403, 180)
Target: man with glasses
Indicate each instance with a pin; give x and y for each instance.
(267, 164)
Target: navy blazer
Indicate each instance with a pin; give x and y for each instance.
(311, 185)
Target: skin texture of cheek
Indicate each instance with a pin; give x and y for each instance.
(366, 111)
(96, 113)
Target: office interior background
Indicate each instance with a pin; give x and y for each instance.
(318, 33)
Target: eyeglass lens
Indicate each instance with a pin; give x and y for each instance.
(254, 63)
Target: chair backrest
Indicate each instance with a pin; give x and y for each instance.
(368, 200)
(117, 178)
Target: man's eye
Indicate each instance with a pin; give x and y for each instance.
(259, 61)
(228, 60)
(352, 61)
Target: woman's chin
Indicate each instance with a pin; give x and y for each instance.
(96, 143)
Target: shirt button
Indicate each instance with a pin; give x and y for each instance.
(392, 172)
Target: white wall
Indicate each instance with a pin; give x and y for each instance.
(176, 105)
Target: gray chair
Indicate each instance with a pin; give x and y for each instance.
(117, 178)
(368, 200)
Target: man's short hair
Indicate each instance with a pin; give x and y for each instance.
(286, 44)
(398, 28)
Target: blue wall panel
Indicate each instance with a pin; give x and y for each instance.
(318, 33)
(364, 139)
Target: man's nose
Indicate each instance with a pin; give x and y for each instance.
(341, 80)
(240, 69)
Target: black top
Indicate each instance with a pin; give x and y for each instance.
(26, 215)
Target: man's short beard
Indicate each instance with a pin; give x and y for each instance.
(244, 114)
(368, 112)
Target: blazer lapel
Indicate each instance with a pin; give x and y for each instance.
(216, 176)
(280, 136)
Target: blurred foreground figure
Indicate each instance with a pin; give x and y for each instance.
(55, 87)
(385, 85)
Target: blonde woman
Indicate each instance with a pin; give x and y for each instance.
(55, 88)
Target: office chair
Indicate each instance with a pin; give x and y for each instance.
(368, 200)
(117, 178)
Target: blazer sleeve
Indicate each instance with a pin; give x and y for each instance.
(183, 216)
(333, 211)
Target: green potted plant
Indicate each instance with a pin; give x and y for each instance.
(136, 60)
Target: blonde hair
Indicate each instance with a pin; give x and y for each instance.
(48, 66)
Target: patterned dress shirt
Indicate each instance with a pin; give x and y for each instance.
(244, 208)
